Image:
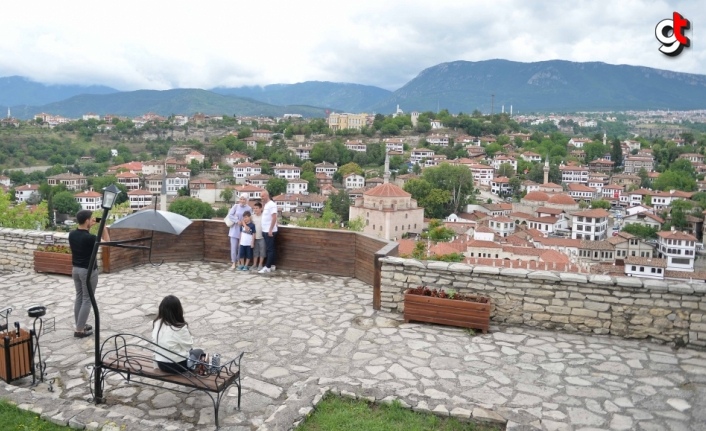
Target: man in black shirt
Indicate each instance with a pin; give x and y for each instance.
(82, 242)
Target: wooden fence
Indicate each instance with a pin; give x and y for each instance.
(322, 251)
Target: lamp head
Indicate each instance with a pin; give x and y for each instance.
(110, 193)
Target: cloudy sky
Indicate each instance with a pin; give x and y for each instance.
(133, 45)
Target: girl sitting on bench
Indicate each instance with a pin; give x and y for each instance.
(170, 331)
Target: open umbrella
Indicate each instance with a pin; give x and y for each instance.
(154, 220)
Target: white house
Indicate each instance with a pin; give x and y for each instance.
(502, 226)
(140, 198)
(304, 153)
(176, 182)
(579, 142)
(502, 159)
(89, 200)
(353, 181)
(574, 174)
(500, 185)
(436, 139)
(581, 192)
(646, 267)
(22, 193)
(356, 145)
(531, 156)
(678, 248)
(394, 144)
(590, 225)
(326, 168)
(287, 172)
(482, 174)
(243, 170)
(419, 154)
(297, 186)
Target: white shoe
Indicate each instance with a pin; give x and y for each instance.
(264, 270)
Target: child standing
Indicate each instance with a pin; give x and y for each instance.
(258, 249)
(247, 233)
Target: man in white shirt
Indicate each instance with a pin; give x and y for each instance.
(269, 231)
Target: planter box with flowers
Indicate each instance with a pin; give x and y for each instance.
(55, 259)
(422, 304)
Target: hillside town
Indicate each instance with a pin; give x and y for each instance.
(552, 192)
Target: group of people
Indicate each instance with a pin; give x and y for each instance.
(252, 235)
(252, 246)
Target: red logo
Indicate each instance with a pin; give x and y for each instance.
(670, 32)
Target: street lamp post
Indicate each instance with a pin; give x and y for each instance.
(110, 193)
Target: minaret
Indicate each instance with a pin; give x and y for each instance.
(8, 113)
(163, 192)
(605, 138)
(546, 169)
(386, 175)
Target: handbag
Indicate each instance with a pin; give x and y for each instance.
(228, 221)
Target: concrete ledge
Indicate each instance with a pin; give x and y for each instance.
(543, 275)
(514, 272)
(570, 277)
(604, 280)
(489, 270)
(629, 282)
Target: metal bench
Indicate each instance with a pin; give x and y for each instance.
(133, 356)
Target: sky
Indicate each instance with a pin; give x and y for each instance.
(131, 45)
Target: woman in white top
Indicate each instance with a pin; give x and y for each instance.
(170, 331)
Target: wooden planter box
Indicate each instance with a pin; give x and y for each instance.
(55, 263)
(15, 355)
(443, 311)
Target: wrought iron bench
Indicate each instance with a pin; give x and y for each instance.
(133, 356)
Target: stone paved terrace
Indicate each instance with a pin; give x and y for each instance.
(305, 334)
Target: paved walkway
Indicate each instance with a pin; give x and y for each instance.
(307, 333)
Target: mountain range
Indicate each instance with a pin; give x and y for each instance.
(459, 86)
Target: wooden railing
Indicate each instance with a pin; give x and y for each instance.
(322, 251)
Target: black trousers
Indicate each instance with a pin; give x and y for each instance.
(173, 368)
(270, 249)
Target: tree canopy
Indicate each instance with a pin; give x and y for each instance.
(191, 208)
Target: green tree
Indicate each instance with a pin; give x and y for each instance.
(457, 181)
(340, 203)
(600, 203)
(64, 203)
(641, 231)
(20, 216)
(675, 180)
(276, 186)
(350, 168)
(191, 208)
(441, 234)
(310, 178)
(227, 194)
(505, 170)
(616, 153)
(308, 166)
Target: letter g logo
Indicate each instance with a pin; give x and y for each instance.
(670, 33)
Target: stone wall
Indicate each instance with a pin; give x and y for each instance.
(670, 311)
(17, 247)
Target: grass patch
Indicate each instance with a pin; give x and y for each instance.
(13, 418)
(335, 413)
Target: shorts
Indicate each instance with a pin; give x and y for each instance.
(245, 252)
(260, 248)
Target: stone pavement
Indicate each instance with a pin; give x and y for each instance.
(305, 334)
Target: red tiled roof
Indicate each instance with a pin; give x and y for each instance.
(406, 246)
(537, 196)
(547, 210)
(483, 244)
(596, 213)
(676, 235)
(387, 190)
(562, 199)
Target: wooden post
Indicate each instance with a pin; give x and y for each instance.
(377, 282)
